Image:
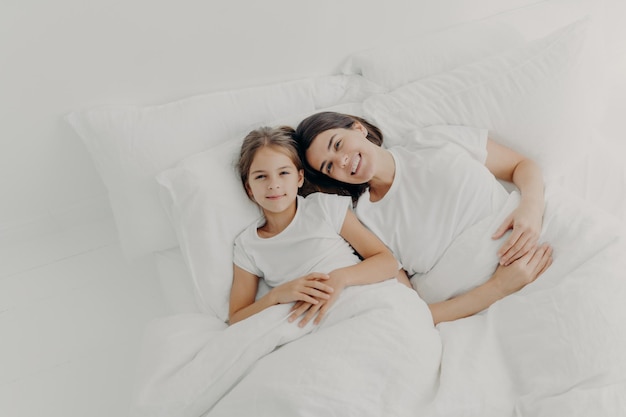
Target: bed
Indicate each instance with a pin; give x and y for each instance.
(555, 348)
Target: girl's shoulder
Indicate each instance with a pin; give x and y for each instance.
(249, 230)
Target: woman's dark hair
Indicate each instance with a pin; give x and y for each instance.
(307, 131)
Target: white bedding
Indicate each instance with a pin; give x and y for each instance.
(555, 348)
(376, 353)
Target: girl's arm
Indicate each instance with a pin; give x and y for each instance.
(242, 294)
(309, 288)
(378, 265)
(526, 220)
(506, 280)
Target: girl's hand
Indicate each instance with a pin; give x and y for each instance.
(309, 310)
(523, 271)
(526, 226)
(310, 288)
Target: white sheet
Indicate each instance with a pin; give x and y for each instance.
(375, 354)
(555, 348)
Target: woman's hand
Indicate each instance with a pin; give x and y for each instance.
(311, 288)
(526, 229)
(505, 281)
(523, 271)
(321, 306)
(508, 165)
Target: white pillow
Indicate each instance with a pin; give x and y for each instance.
(534, 99)
(131, 144)
(208, 208)
(176, 284)
(394, 65)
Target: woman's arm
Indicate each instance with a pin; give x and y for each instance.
(505, 280)
(378, 265)
(403, 278)
(309, 288)
(526, 220)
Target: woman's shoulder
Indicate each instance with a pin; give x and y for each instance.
(328, 205)
(447, 138)
(320, 197)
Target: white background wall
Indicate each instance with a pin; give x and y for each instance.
(68, 54)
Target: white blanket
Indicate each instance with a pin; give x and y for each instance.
(375, 354)
(556, 348)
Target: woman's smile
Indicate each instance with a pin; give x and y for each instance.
(356, 162)
(342, 154)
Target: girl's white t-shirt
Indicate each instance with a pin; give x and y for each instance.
(441, 187)
(311, 242)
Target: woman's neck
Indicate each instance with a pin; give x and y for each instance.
(381, 182)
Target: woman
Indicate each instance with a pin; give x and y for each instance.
(420, 197)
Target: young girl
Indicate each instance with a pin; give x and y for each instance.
(420, 197)
(304, 248)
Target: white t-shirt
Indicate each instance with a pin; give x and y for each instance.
(441, 187)
(311, 242)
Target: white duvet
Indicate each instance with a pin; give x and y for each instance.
(556, 348)
(376, 353)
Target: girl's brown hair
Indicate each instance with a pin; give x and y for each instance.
(280, 138)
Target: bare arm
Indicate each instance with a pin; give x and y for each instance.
(310, 288)
(242, 295)
(403, 278)
(378, 265)
(378, 262)
(526, 220)
(505, 280)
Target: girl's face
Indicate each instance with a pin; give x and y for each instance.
(273, 180)
(344, 154)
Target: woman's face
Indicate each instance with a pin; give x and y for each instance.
(344, 154)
